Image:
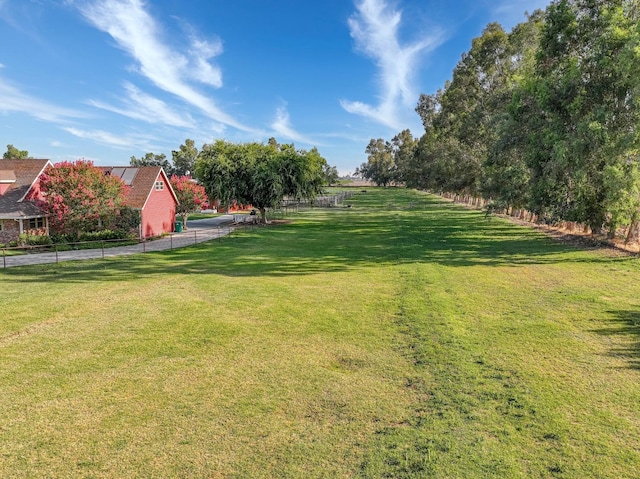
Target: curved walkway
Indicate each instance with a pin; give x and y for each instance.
(198, 231)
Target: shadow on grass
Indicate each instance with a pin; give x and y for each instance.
(381, 227)
(625, 324)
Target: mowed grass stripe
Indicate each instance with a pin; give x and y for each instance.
(402, 337)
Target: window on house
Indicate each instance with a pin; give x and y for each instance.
(159, 185)
(36, 223)
(1, 225)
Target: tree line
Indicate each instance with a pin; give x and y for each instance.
(542, 120)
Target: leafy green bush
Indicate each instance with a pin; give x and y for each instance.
(128, 219)
(60, 238)
(38, 240)
(103, 235)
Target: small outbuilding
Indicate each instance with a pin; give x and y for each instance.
(148, 191)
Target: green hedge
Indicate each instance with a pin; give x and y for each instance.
(38, 240)
(103, 235)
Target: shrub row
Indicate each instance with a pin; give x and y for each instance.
(103, 235)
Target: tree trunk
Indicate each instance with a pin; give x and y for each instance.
(634, 230)
(263, 215)
(184, 220)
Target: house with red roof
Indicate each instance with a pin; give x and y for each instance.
(148, 191)
(18, 211)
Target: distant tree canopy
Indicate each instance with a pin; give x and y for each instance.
(151, 159)
(258, 174)
(380, 167)
(184, 158)
(331, 175)
(389, 161)
(13, 153)
(543, 118)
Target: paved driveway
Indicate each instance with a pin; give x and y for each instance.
(207, 223)
(198, 231)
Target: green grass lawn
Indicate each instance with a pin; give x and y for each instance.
(404, 337)
(12, 251)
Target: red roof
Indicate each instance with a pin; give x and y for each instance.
(141, 181)
(25, 173)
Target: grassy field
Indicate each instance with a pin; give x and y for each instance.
(403, 337)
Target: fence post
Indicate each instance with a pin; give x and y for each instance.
(4, 258)
(171, 241)
(56, 248)
(102, 245)
(195, 236)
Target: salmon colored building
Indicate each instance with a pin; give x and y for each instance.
(149, 191)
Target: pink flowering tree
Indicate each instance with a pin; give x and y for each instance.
(191, 196)
(79, 197)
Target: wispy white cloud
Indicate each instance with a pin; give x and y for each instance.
(282, 127)
(5, 14)
(26, 18)
(141, 106)
(127, 142)
(137, 33)
(201, 52)
(375, 30)
(13, 99)
(350, 137)
(100, 136)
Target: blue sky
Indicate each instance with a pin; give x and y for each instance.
(107, 79)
